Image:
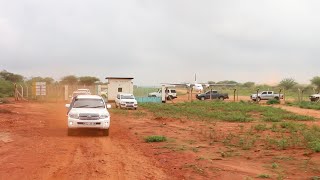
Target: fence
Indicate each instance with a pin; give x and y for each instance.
(57, 92)
(149, 99)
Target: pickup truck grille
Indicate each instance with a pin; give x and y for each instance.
(129, 102)
(87, 116)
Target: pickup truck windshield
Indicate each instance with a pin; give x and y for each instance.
(88, 103)
(127, 97)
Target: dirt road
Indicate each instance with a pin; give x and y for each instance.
(34, 145)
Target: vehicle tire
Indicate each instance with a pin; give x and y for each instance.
(169, 97)
(202, 98)
(105, 132)
(70, 132)
(153, 96)
(276, 98)
(258, 99)
(221, 98)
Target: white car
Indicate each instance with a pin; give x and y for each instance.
(170, 93)
(125, 100)
(88, 111)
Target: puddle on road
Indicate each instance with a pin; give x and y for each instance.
(5, 137)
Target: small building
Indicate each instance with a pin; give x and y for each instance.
(117, 85)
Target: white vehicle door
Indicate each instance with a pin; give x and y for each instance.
(270, 95)
(264, 95)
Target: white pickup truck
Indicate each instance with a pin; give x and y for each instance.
(315, 97)
(266, 95)
(171, 94)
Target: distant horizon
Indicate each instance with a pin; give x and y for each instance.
(103, 80)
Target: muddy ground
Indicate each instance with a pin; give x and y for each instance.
(34, 145)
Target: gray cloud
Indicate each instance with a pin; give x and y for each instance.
(162, 41)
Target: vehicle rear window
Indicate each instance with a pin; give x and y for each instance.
(88, 103)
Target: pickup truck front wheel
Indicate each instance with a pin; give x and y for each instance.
(221, 98)
(202, 98)
(258, 99)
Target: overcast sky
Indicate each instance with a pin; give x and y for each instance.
(158, 41)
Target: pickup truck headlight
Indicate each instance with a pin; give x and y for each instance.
(104, 116)
(74, 115)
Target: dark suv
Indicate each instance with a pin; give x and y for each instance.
(212, 95)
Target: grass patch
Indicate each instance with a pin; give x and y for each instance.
(225, 111)
(150, 139)
(273, 101)
(312, 137)
(305, 104)
(264, 176)
(139, 113)
(260, 127)
(275, 166)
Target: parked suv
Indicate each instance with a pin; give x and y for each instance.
(125, 100)
(88, 111)
(171, 94)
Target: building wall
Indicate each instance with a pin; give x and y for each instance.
(114, 84)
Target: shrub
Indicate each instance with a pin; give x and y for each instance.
(273, 101)
(155, 139)
(264, 176)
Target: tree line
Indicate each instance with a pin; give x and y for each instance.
(286, 83)
(7, 79)
(66, 80)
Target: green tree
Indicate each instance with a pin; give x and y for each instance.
(6, 88)
(88, 80)
(316, 81)
(69, 80)
(8, 76)
(48, 80)
(227, 82)
(287, 83)
(248, 84)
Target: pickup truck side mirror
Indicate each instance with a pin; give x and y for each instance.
(108, 106)
(67, 105)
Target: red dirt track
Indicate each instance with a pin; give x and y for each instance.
(41, 149)
(34, 145)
